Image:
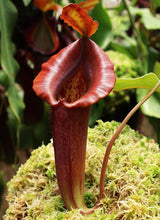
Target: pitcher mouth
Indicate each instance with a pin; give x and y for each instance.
(80, 75)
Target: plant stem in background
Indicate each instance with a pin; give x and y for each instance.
(141, 46)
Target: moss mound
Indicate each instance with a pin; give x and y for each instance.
(132, 180)
(124, 66)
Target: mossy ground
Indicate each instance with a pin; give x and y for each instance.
(132, 184)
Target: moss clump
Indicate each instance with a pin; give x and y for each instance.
(132, 180)
(124, 66)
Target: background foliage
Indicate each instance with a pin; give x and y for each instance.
(129, 33)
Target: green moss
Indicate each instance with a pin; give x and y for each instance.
(131, 186)
(124, 66)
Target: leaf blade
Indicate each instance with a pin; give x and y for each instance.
(8, 17)
(147, 81)
(152, 105)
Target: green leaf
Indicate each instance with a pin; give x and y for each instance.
(150, 22)
(152, 106)
(156, 2)
(122, 49)
(15, 100)
(147, 81)
(157, 69)
(152, 58)
(121, 41)
(27, 2)
(8, 17)
(103, 35)
(96, 112)
(3, 78)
